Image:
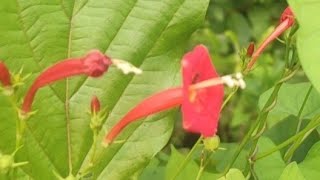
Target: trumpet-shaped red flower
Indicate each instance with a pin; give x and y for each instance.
(94, 64)
(5, 78)
(286, 21)
(200, 106)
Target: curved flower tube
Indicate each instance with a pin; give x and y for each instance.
(94, 64)
(5, 78)
(158, 102)
(286, 21)
(201, 105)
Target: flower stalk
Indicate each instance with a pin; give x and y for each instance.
(286, 21)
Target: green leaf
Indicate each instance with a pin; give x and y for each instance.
(150, 34)
(233, 174)
(285, 129)
(310, 166)
(289, 102)
(271, 166)
(221, 158)
(176, 158)
(308, 38)
(292, 172)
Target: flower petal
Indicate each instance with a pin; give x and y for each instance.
(200, 113)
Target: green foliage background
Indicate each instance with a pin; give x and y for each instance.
(154, 35)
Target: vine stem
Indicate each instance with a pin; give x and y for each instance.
(186, 160)
(302, 108)
(292, 139)
(262, 118)
(294, 146)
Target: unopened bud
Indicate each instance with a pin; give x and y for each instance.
(250, 49)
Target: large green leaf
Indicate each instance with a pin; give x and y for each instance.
(150, 34)
(290, 100)
(308, 37)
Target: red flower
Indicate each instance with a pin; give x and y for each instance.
(286, 21)
(287, 15)
(200, 105)
(200, 108)
(94, 64)
(5, 78)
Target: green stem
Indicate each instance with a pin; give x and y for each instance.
(302, 108)
(298, 142)
(186, 160)
(262, 118)
(201, 169)
(290, 140)
(87, 170)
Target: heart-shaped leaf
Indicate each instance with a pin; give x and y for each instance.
(308, 37)
(35, 34)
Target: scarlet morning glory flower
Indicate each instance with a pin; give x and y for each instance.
(5, 78)
(200, 96)
(94, 64)
(200, 108)
(286, 21)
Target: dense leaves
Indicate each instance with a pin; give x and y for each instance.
(36, 34)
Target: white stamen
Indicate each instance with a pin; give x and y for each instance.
(239, 76)
(228, 81)
(126, 67)
(242, 83)
(232, 81)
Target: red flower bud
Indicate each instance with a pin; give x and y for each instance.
(95, 105)
(287, 15)
(286, 21)
(4, 75)
(94, 64)
(250, 49)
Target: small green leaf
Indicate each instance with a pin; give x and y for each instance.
(233, 174)
(292, 172)
(188, 173)
(271, 166)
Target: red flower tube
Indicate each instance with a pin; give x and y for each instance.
(286, 21)
(5, 78)
(200, 106)
(94, 64)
